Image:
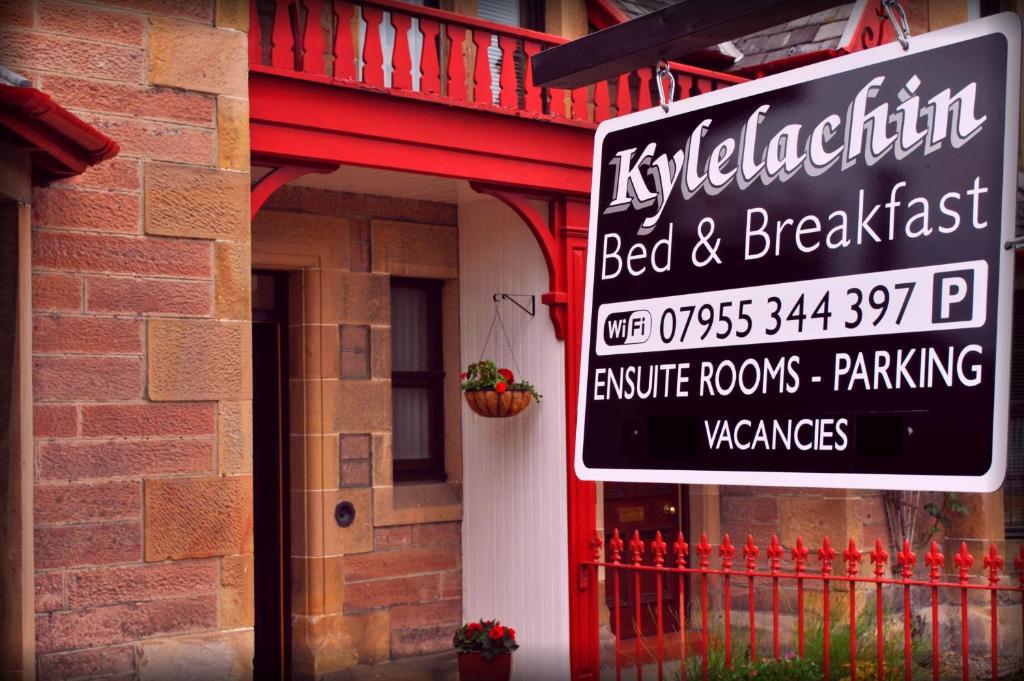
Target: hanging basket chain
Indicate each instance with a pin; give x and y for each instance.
(497, 320)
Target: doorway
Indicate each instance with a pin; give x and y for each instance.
(645, 508)
(272, 558)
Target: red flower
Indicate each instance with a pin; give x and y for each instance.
(463, 375)
(512, 633)
(498, 632)
(507, 375)
(473, 628)
(501, 387)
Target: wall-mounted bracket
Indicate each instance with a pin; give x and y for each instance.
(513, 298)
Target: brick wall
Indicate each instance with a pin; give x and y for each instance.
(141, 346)
(389, 585)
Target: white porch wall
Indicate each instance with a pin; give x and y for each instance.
(515, 564)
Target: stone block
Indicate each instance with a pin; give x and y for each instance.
(196, 202)
(196, 57)
(356, 298)
(92, 544)
(354, 447)
(90, 210)
(401, 562)
(415, 250)
(383, 467)
(391, 537)
(237, 605)
(79, 252)
(85, 502)
(149, 296)
(438, 534)
(283, 233)
(35, 50)
(389, 592)
(233, 271)
(84, 459)
(314, 351)
(56, 292)
(380, 352)
(148, 419)
(232, 14)
(128, 100)
(52, 420)
(87, 664)
(86, 334)
(220, 655)
(86, 378)
(354, 474)
(357, 537)
(199, 359)
(49, 591)
(133, 583)
(156, 140)
(233, 133)
(369, 635)
(814, 518)
(318, 585)
(198, 517)
(314, 461)
(234, 436)
(355, 351)
(361, 406)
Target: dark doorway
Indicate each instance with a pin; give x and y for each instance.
(645, 508)
(270, 475)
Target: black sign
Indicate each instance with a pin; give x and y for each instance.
(802, 280)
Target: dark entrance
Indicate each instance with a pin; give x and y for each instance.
(647, 508)
(270, 474)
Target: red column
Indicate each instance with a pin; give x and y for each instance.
(570, 221)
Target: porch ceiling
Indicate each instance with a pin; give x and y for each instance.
(377, 182)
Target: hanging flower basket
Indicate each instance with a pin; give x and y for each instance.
(494, 392)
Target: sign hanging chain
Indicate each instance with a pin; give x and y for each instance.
(496, 320)
(661, 72)
(898, 19)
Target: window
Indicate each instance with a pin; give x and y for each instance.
(417, 380)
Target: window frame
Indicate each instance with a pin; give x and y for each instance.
(431, 468)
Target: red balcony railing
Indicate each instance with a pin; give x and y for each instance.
(413, 51)
(648, 589)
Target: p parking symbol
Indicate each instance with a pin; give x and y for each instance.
(953, 296)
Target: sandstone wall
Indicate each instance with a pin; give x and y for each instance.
(141, 364)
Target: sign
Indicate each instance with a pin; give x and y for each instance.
(802, 280)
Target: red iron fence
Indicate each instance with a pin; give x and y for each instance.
(418, 52)
(627, 567)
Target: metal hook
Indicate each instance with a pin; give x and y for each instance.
(900, 25)
(511, 297)
(660, 72)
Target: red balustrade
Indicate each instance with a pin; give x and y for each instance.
(413, 51)
(647, 558)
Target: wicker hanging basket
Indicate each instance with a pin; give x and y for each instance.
(492, 404)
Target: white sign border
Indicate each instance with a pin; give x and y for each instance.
(1006, 24)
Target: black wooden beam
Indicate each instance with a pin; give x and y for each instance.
(668, 33)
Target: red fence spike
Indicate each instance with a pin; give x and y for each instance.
(727, 551)
(907, 560)
(935, 562)
(636, 548)
(826, 554)
(774, 552)
(800, 554)
(994, 562)
(853, 558)
(615, 544)
(704, 551)
(659, 547)
(965, 561)
(751, 552)
(879, 557)
(596, 545)
(681, 549)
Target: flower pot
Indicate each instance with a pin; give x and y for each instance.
(476, 667)
(493, 404)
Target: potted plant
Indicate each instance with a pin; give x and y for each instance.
(485, 650)
(494, 392)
